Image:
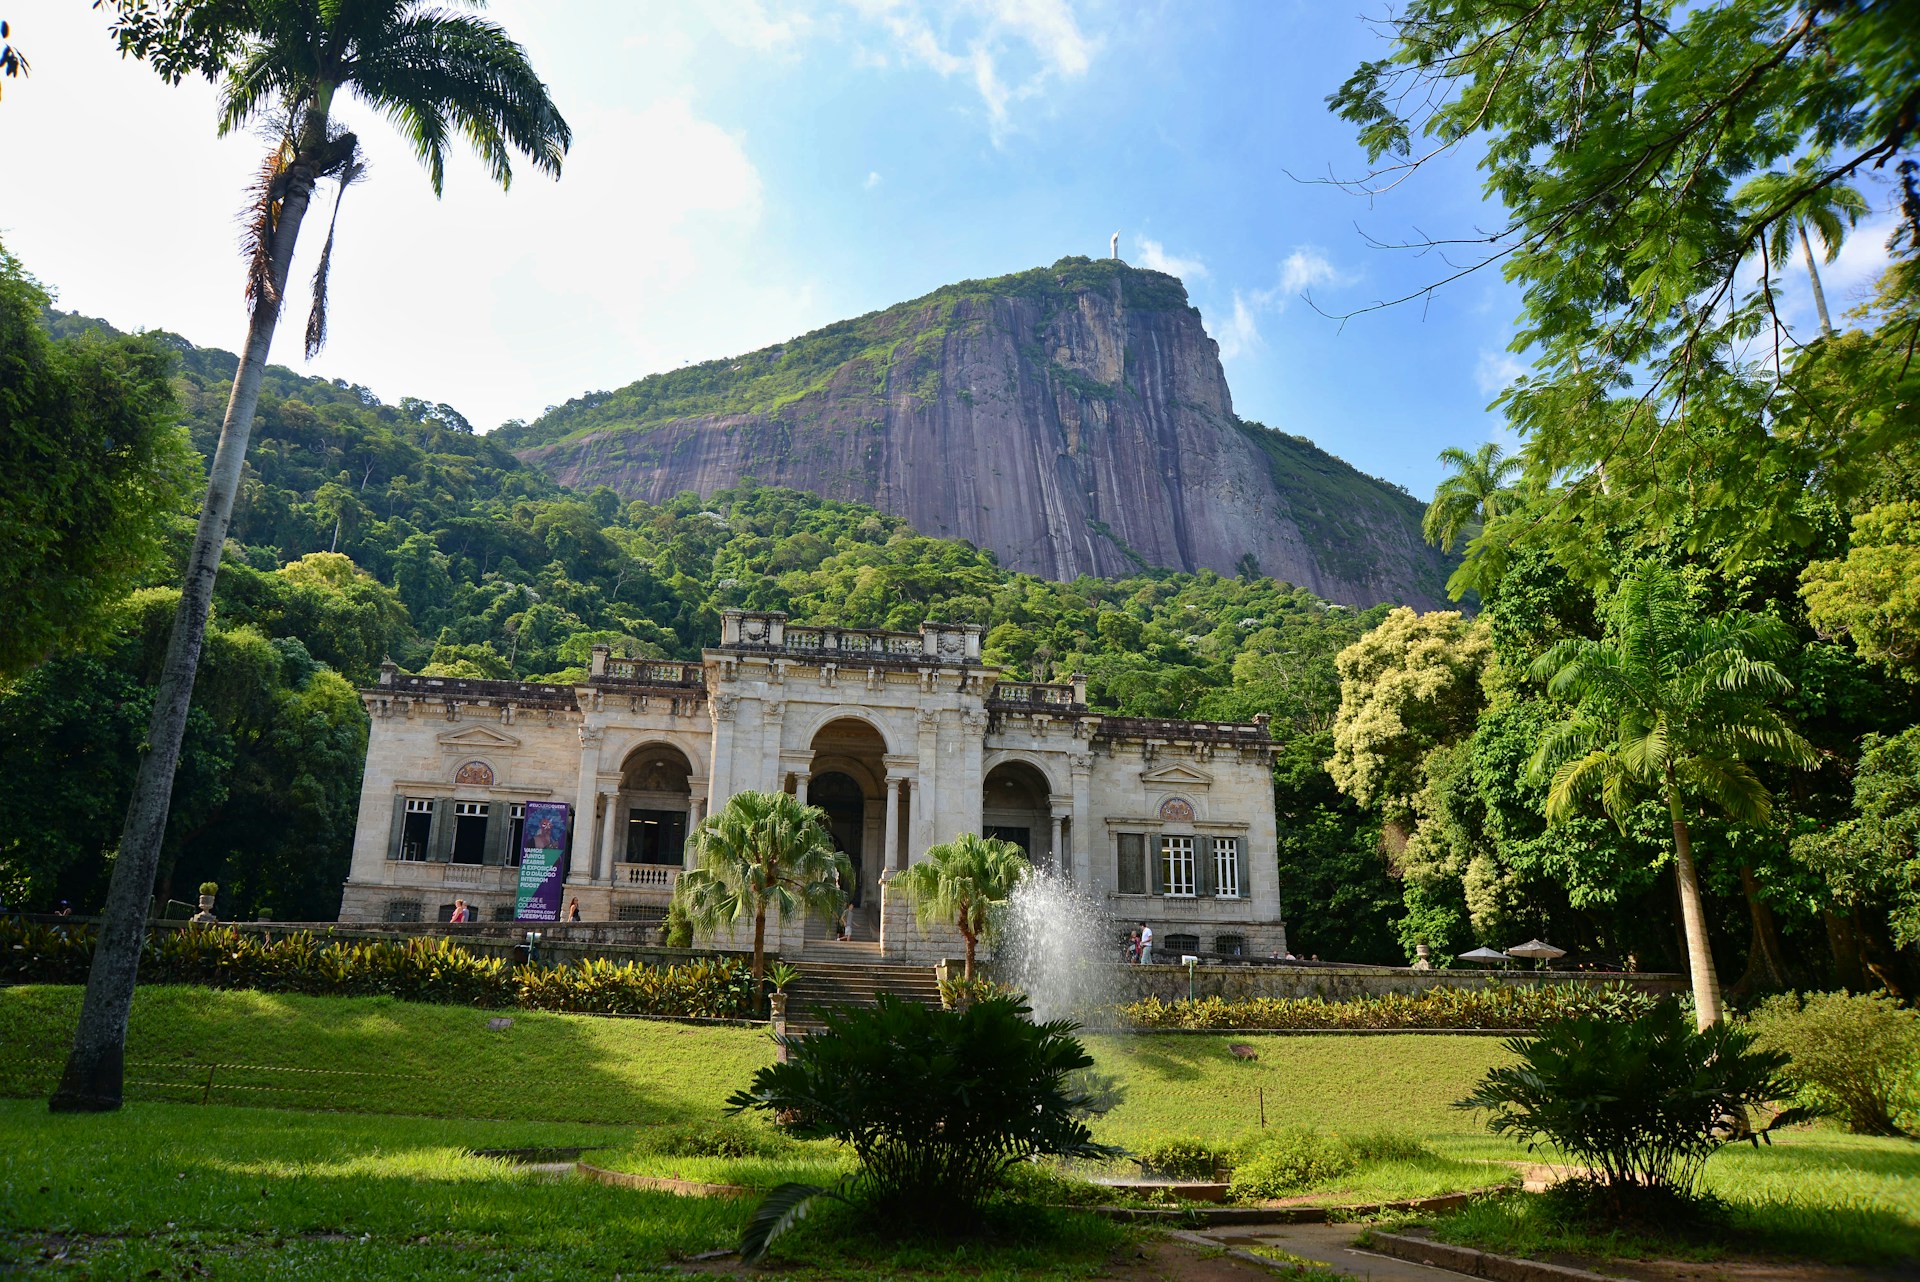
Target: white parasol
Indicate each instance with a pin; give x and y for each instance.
(1483, 956)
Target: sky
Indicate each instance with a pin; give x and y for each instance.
(747, 170)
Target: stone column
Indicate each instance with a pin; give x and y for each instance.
(1080, 858)
(1060, 860)
(611, 831)
(925, 793)
(800, 778)
(581, 847)
(892, 857)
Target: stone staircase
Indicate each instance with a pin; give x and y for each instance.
(851, 974)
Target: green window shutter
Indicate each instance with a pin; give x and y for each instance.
(498, 824)
(399, 828)
(1240, 856)
(1203, 871)
(440, 845)
(1157, 864)
(1130, 875)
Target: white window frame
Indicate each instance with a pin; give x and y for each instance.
(1226, 867)
(417, 806)
(1177, 856)
(517, 827)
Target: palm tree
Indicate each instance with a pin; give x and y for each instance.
(1831, 210)
(284, 63)
(961, 882)
(1479, 490)
(763, 851)
(1676, 705)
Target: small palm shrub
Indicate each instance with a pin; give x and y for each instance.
(1641, 1103)
(1286, 1160)
(1856, 1054)
(959, 992)
(937, 1105)
(1516, 1007)
(1181, 1158)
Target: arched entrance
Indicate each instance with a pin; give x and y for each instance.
(655, 803)
(847, 779)
(1016, 805)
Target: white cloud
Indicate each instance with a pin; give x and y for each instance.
(1012, 50)
(1306, 267)
(1300, 271)
(1154, 257)
(873, 179)
(751, 24)
(1241, 332)
(1496, 371)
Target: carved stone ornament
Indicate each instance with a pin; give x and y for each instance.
(929, 719)
(477, 773)
(590, 736)
(753, 631)
(951, 643)
(1176, 810)
(724, 705)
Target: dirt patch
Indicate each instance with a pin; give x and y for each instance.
(1152, 1261)
(1739, 1270)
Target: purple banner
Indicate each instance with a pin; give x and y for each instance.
(543, 861)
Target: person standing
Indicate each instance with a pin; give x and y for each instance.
(1133, 947)
(1146, 944)
(459, 912)
(573, 909)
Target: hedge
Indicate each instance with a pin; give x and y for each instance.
(1518, 1007)
(419, 970)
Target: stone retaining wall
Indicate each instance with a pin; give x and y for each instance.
(1344, 983)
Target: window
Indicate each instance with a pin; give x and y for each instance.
(415, 832)
(1226, 867)
(1177, 945)
(469, 832)
(403, 910)
(503, 912)
(1230, 945)
(656, 836)
(516, 838)
(649, 914)
(1176, 866)
(1132, 878)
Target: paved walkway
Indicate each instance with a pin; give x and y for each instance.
(1328, 1244)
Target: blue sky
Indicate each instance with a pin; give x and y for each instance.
(744, 171)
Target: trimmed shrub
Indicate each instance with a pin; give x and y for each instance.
(1857, 1055)
(1182, 1158)
(1506, 1008)
(1286, 1160)
(417, 970)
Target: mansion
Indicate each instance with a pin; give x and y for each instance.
(904, 740)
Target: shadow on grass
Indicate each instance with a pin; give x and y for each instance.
(1177, 1059)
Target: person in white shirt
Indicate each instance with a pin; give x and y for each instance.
(1146, 944)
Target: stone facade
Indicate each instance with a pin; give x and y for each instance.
(905, 740)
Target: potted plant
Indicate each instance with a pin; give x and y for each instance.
(779, 975)
(208, 889)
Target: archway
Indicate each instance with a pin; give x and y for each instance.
(1016, 805)
(847, 779)
(655, 801)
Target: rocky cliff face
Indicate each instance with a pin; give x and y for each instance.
(1073, 419)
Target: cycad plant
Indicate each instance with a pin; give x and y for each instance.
(763, 852)
(961, 883)
(285, 64)
(1677, 706)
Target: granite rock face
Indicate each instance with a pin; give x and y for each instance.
(1075, 420)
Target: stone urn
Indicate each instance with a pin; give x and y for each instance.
(777, 1007)
(205, 916)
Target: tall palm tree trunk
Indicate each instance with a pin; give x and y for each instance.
(967, 935)
(94, 1077)
(759, 949)
(1813, 275)
(1693, 917)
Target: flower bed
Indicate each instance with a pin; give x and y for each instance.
(1436, 1009)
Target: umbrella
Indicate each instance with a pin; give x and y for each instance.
(1483, 956)
(1536, 949)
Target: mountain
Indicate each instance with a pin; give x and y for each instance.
(1073, 419)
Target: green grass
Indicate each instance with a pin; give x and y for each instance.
(377, 1055)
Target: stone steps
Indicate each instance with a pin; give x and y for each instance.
(855, 983)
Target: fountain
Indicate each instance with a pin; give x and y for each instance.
(1058, 946)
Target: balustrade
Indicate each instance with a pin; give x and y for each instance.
(653, 876)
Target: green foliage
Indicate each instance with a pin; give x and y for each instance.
(935, 1104)
(1406, 687)
(957, 992)
(1873, 594)
(1181, 1158)
(1285, 1160)
(1642, 1103)
(780, 974)
(1873, 857)
(423, 970)
(1473, 497)
(209, 887)
(1505, 1006)
(964, 883)
(721, 1137)
(97, 474)
(1855, 1054)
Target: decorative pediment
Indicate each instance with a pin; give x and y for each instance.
(477, 739)
(1177, 775)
